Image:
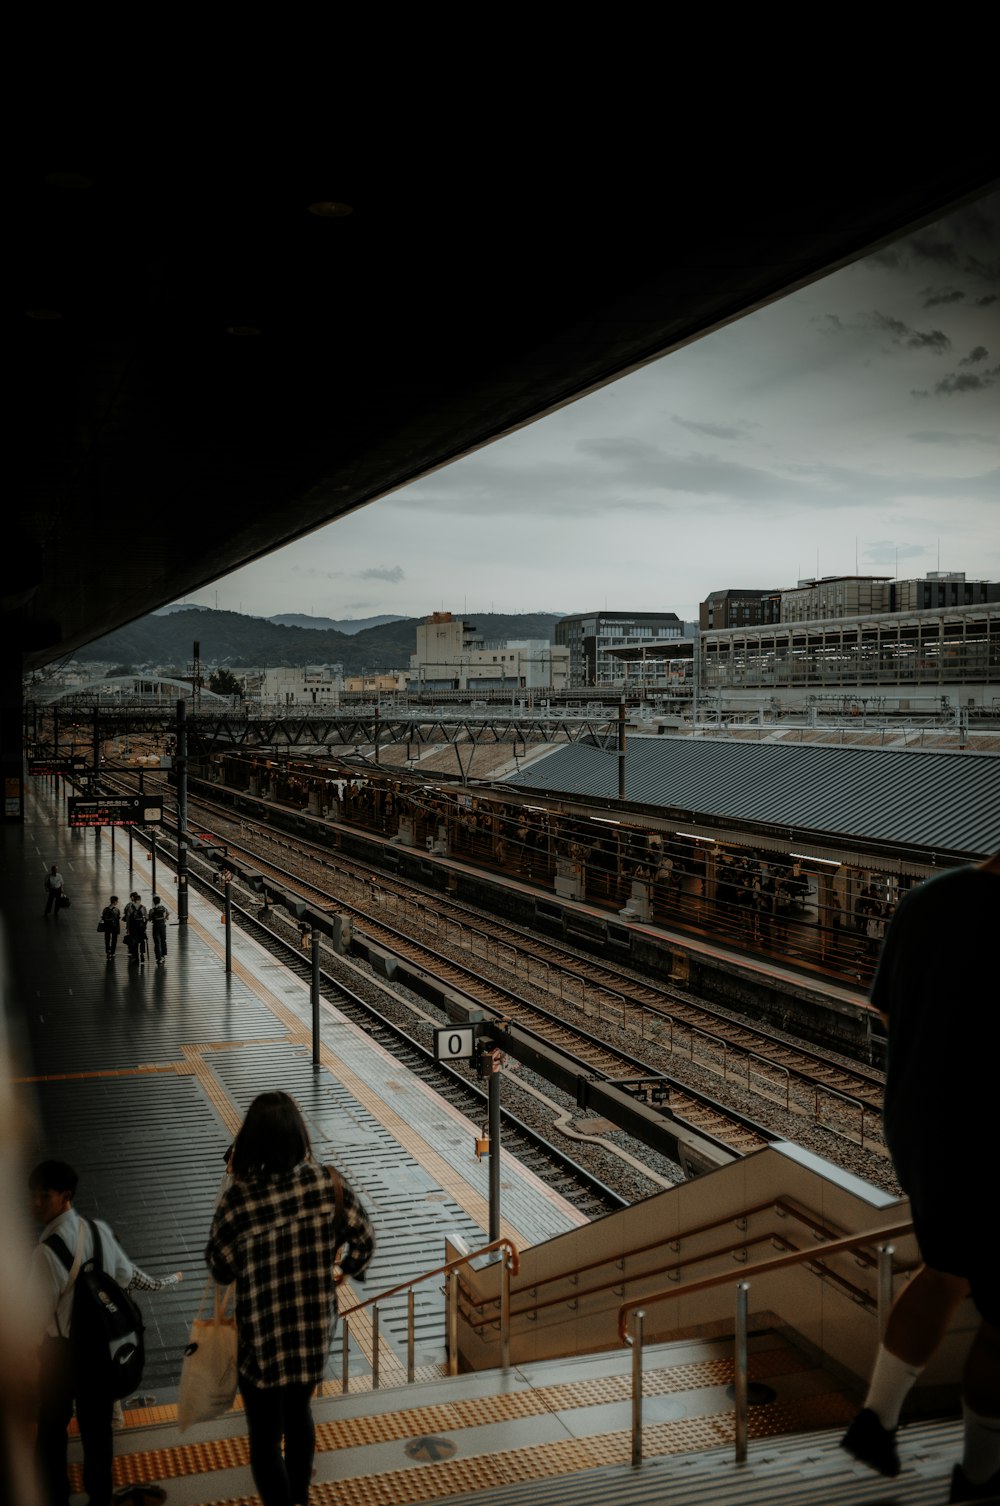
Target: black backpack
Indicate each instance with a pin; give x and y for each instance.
(107, 1328)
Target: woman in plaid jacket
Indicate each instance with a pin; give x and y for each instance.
(286, 1231)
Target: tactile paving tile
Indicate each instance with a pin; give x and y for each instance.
(454, 1416)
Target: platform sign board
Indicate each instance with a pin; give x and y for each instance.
(454, 1043)
(57, 765)
(115, 810)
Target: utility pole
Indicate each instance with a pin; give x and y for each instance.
(180, 763)
(621, 749)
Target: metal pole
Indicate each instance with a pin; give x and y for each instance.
(152, 854)
(885, 1254)
(180, 763)
(494, 1102)
(637, 1390)
(505, 1312)
(314, 947)
(740, 1363)
(410, 1333)
(345, 1347)
(229, 923)
(451, 1321)
(621, 749)
(375, 1348)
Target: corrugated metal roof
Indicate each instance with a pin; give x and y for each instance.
(948, 801)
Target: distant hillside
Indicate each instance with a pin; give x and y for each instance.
(337, 625)
(165, 640)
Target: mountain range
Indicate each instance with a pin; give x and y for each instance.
(165, 640)
(301, 619)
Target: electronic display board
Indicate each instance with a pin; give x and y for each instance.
(115, 810)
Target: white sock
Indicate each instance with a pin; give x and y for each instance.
(891, 1382)
(981, 1455)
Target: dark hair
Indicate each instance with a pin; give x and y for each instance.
(156, 899)
(114, 899)
(53, 1176)
(272, 1138)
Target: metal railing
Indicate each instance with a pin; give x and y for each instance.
(638, 1306)
(450, 1269)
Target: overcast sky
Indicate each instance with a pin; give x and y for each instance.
(851, 427)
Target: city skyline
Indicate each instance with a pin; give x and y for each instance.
(848, 428)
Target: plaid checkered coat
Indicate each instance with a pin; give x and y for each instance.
(278, 1238)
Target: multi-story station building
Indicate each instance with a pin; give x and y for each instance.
(591, 638)
(916, 645)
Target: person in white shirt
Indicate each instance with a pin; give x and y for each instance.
(63, 1381)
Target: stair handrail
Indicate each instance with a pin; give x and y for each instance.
(637, 1305)
(784, 1207)
(510, 1266)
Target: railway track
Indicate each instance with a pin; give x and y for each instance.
(674, 1032)
(825, 1090)
(633, 1005)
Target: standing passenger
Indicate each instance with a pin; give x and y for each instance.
(136, 917)
(158, 914)
(939, 952)
(277, 1233)
(112, 918)
(66, 1379)
(53, 889)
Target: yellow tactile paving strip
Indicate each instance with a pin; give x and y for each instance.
(454, 1416)
(543, 1461)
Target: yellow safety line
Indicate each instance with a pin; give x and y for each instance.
(533, 1462)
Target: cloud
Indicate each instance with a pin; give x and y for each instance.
(986, 300)
(886, 548)
(965, 242)
(980, 353)
(944, 295)
(714, 431)
(967, 381)
(904, 334)
(952, 437)
(392, 573)
(900, 333)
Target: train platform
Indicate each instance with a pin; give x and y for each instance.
(140, 1076)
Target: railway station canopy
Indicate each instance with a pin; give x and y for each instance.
(224, 344)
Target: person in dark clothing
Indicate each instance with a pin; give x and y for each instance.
(135, 917)
(286, 1231)
(158, 915)
(112, 919)
(939, 951)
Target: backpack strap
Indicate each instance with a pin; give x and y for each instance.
(57, 1243)
(98, 1255)
(71, 1262)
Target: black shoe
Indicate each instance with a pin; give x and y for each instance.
(873, 1444)
(963, 1490)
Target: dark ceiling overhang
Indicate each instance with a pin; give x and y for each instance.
(209, 369)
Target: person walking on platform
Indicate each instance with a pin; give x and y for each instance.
(135, 917)
(65, 1379)
(158, 914)
(939, 953)
(286, 1231)
(53, 890)
(111, 919)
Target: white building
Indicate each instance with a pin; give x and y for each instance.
(317, 685)
(451, 655)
